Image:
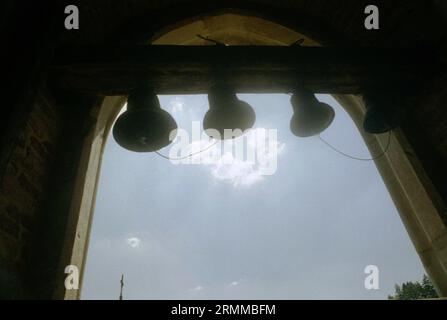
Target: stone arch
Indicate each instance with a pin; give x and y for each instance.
(232, 29)
(415, 197)
(153, 24)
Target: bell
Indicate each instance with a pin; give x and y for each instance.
(381, 116)
(144, 126)
(227, 112)
(310, 116)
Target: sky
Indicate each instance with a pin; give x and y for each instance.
(226, 230)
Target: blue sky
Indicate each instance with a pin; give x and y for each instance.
(226, 232)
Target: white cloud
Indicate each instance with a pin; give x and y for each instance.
(243, 161)
(243, 172)
(198, 288)
(236, 282)
(133, 242)
(238, 172)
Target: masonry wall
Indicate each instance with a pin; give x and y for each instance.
(24, 183)
(426, 129)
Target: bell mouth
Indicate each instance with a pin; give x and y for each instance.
(230, 121)
(145, 130)
(313, 121)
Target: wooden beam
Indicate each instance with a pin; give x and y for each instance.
(113, 70)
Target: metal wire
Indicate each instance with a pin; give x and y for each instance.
(357, 158)
(188, 156)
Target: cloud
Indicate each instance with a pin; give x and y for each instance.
(133, 242)
(236, 282)
(243, 161)
(195, 289)
(238, 172)
(246, 172)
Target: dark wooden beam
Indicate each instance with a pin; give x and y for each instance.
(114, 70)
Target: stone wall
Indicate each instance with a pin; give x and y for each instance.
(426, 129)
(23, 187)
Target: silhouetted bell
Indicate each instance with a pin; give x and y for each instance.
(310, 116)
(227, 112)
(144, 126)
(381, 115)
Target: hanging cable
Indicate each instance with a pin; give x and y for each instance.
(357, 158)
(353, 157)
(188, 156)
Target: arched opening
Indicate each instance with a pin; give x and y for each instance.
(411, 191)
(226, 231)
